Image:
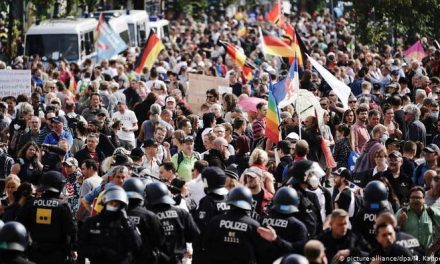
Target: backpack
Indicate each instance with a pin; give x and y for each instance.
(6, 163)
(180, 158)
(72, 123)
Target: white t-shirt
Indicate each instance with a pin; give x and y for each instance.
(128, 118)
(196, 189)
(89, 184)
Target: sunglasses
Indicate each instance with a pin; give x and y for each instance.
(352, 102)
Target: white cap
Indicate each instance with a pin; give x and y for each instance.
(293, 135)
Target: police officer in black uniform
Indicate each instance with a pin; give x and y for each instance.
(13, 243)
(213, 204)
(148, 224)
(50, 222)
(291, 231)
(375, 203)
(234, 237)
(309, 209)
(178, 224)
(110, 237)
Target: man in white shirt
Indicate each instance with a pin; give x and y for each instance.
(89, 170)
(195, 186)
(129, 125)
(151, 163)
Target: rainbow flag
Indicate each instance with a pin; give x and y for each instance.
(152, 49)
(415, 52)
(275, 46)
(272, 131)
(275, 16)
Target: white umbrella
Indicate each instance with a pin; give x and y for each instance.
(305, 103)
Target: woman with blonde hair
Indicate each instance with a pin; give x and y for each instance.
(259, 158)
(12, 182)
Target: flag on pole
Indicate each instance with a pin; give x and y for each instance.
(275, 46)
(73, 85)
(108, 43)
(152, 49)
(291, 39)
(340, 88)
(272, 131)
(275, 16)
(239, 58)
(285, 89)
(415, 52)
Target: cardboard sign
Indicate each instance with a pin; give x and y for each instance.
(198, 85)
(15, 82)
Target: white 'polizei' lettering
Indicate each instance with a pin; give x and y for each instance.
(238, 226)
(47, 203)
(167, 215)
(275, 222)
(222, 207)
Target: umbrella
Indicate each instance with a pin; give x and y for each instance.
(305, 103)
(249, 103)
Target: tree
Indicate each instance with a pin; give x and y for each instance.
(375, 19)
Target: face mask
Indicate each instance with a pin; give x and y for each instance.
(313, 182)
(434, 115)
(111, 208)
(384, 138)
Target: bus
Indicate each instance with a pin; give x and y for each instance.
(71, 39)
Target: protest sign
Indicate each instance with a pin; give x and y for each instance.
(15, 82)
(198, 85)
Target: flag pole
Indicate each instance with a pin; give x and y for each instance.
(262, 42)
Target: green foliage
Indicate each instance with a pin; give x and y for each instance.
(406, 17)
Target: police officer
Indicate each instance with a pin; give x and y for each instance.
(291, 231)
(50, 222)
(148, 224)
(234, 237)
(214, 203)
(110, 237)
(13, 242)
(301, 175)
(177, 223)
(375, 203)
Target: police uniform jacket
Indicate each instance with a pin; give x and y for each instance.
(108, 238)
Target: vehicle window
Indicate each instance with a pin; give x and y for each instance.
(66, 45)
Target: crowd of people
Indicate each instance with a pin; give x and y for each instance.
(102, 164)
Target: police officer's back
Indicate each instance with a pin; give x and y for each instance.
(110, 237)
(308, 208)
(148, 224)
(178, 224)
(291, 231)
(213, 204)
(50, 222)
(375, 202)
(234, 237)
(13, 243)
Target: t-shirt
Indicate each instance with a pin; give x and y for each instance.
(89, 184)
(128, 118)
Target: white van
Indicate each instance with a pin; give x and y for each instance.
(160, 26)
(137, 21)
(69, 39)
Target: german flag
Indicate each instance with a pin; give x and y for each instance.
(274, 16)
(291, 39)
(240, 59)
(152, 49)
(275, 46)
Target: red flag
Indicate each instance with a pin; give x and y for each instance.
(275, 16)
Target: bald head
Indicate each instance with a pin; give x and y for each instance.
(219, 143)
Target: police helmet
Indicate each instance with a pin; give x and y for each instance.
(135, 188)
(375, 192)
(292, 259)
(13, 236)
(240, 197)
(52, 181)
(286, 201)
(301, 170)
(115, 193)
(214, 180)
(157, 193)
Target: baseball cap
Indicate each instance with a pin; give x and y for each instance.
(121, 101)
(395, 72)
(71, 162)
(150, 143)
(293, 136)
(137, 152)
(170, 99)
(432, 148)
(57, 119)
(188, 138)
(343, 172)
(395, 154)
(253, 172)
(95, 122)
(392, 141)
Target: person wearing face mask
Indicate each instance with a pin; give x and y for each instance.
(324, 196)
(366, 160)
(301, 176)
(110, 237)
